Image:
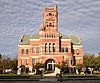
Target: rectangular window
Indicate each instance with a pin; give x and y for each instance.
(27, 51)
(22, 51)
(53, 49)
(34, 60)
(22, 62)
(62, 49)
(26, 61)
(33, 50)
(37, 49)
(66, 49)
(78, 61)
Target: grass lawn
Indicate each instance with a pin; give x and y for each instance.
(27, 75)
(15, 75)
(81, 75)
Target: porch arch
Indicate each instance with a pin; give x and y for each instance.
(56, 61)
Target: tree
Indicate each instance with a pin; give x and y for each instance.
(7, 63)
(97, 62)
(89, 60)
(37, 66)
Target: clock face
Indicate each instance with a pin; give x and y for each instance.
(50, 14)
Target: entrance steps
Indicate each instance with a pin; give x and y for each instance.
(57, 71)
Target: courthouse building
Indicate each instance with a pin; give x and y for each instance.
(49, 46)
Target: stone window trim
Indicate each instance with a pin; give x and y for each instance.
(35, 49)
(49, 47)
(22, 51)
(34, 60)
(64, 49)
(26, 61)
(49, 35)
(77, 51)
(22, 61)
(27, 51)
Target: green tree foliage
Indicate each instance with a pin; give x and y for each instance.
(79, 67)
(64, 67)
(89, 60)
(97, 60)
(7, 63)
(37, 66)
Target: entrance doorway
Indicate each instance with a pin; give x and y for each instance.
(50, 65)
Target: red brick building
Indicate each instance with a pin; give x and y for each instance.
(49, 46)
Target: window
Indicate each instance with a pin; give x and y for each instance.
(78, 61)
(33, 50)
(66, 49)
(22, 62)
(22, 51)
(50, 24)
(53, 47)
(27, 51)
(37, 49)
(34, 60)
(77, 51)
(62, 49)
(54, 35)
(49, 35)
(45, 47)
(45, 36)
(50, 49)
(26, 61)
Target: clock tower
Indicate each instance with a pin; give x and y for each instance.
(51, 19)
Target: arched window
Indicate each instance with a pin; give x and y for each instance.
(45, 35)
(53, 47)
(45, 47)
(49, 35)
(50, 49)
(52, 35)
(77, 51)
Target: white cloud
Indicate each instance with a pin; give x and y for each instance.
(80, 17)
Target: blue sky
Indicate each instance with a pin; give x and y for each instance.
(76, 17)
